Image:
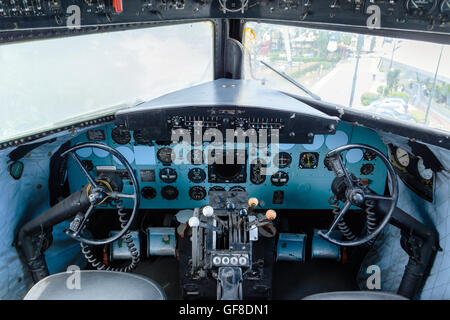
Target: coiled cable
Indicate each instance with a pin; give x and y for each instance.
(128, 239)
(342, 225)
(371, 219)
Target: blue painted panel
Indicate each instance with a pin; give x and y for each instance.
(306, 189)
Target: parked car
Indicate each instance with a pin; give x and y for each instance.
(392, 107)
(396, 100)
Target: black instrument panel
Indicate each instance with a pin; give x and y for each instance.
(290, 127)
(412, 15)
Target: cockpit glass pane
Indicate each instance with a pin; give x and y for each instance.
(405, 80)
(47, 83)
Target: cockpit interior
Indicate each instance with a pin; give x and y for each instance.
(270, 169)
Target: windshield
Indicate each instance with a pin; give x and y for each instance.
(404, 80)
(48, 83)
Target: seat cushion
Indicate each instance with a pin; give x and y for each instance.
(95, 285)
(355, 295)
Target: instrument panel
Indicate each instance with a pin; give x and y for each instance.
(300, 179)
(420, 15)
(413, 172)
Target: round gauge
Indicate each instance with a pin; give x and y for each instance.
(237, 188)
(367, 168)
(445, 7)
(424, 173)
(88, 164)
(196, 156)
(197, 175)
(216, 188)
(142, 137)
(120, 136)
(402, 157)
(169, 192)
(197, 193)
(283, 159)
(279, 178)
(148, 193)
(165, 155)
(419, 7)
(168, 175)
(308, 160)
(256, 172)
(369, 155)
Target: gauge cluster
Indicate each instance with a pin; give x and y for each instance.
(436, 12)
(294, 176)
(420, 15)
(428, 7)
(413, 172)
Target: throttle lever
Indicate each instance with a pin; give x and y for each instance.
(208, 212)
(267, 218)
(195, 222)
